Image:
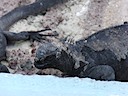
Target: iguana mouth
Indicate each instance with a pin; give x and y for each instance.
(40, 65)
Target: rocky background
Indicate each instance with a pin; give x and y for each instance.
(76, 19)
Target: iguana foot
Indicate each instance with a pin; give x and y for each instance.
(101, 72)
(36, 35)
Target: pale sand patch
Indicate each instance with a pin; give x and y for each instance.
(115, 13)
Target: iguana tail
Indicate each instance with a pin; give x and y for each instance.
(24, 11)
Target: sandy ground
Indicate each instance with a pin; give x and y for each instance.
(76, 18)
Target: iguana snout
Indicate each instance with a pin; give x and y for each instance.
(46, 56)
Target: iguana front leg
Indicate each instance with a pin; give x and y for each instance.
(26, 35)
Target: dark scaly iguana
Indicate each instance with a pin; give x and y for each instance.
(15, 15)
(102, 56)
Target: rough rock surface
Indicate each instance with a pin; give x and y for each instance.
(76, 18)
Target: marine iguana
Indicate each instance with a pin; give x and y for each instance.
(15, 15)
(101, 56)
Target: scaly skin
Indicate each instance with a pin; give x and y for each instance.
(105, 56)
(17, 14)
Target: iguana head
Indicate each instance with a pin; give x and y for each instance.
(50, 56)
(46, 56)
